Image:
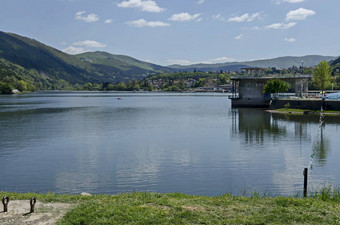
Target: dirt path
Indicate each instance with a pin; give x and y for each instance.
(44, 213)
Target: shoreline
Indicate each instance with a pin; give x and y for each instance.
(302, 112)
(173, 208)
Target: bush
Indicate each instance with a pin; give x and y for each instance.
(287, 106)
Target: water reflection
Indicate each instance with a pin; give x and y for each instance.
(254, 125)
(305, 124)
(323, 149)
(283, 144)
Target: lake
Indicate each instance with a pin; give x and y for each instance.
(73, 142)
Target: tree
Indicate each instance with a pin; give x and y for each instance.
(322, 75)
(275, 86)
(199, 83)
(22, 85)
(88, 87)
(109, 87)
(223, 78)
(5, 88)
(121, 86)
(133, 85)
(150, 86)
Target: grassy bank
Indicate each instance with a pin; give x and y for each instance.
(304, 111)
(175, 208)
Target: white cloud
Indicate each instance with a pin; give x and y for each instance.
(182, 17)
(242, 18)
(219, 60)
(144, 23)
(83, 46)
(74, 50)
(89, 18)
(299, 14)
(239, 37)
(147, 5)
(218, 17)
(289, 1)
(281, 26)
(108, 21)
(179, 61)
(90, 44)
(200, 1)
(245, 17)
(290, 39)
(293, 1)
(209, 61)
(254, 16)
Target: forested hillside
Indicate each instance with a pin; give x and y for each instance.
(27, 64)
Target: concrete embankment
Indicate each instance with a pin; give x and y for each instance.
(310, 104)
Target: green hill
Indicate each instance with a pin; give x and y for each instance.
(44, 67)
(120, 67)
(49, 63)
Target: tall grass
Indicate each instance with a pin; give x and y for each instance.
(327, 193)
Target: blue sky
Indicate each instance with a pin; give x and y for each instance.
(180, 31)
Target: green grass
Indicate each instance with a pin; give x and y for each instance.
(322, 207)
(303, 110)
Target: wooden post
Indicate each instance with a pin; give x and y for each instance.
(305, 181)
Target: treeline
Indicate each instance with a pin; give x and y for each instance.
(133, 85)
(182, 81)
(178, 81)
(15, 77)
(189, 75)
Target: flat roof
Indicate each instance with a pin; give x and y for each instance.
(296, 77)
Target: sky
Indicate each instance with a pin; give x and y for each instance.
(182, 32)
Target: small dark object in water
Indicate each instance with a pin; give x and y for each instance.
(119, 98)
(32, 203)
(305, 112)
(5, 201)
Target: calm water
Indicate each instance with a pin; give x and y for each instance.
(189, 143)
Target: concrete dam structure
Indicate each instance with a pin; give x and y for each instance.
(248, 91)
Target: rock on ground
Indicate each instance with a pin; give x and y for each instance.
(44, 213)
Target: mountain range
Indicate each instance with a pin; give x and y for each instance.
(35, 62)
(280, 62)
